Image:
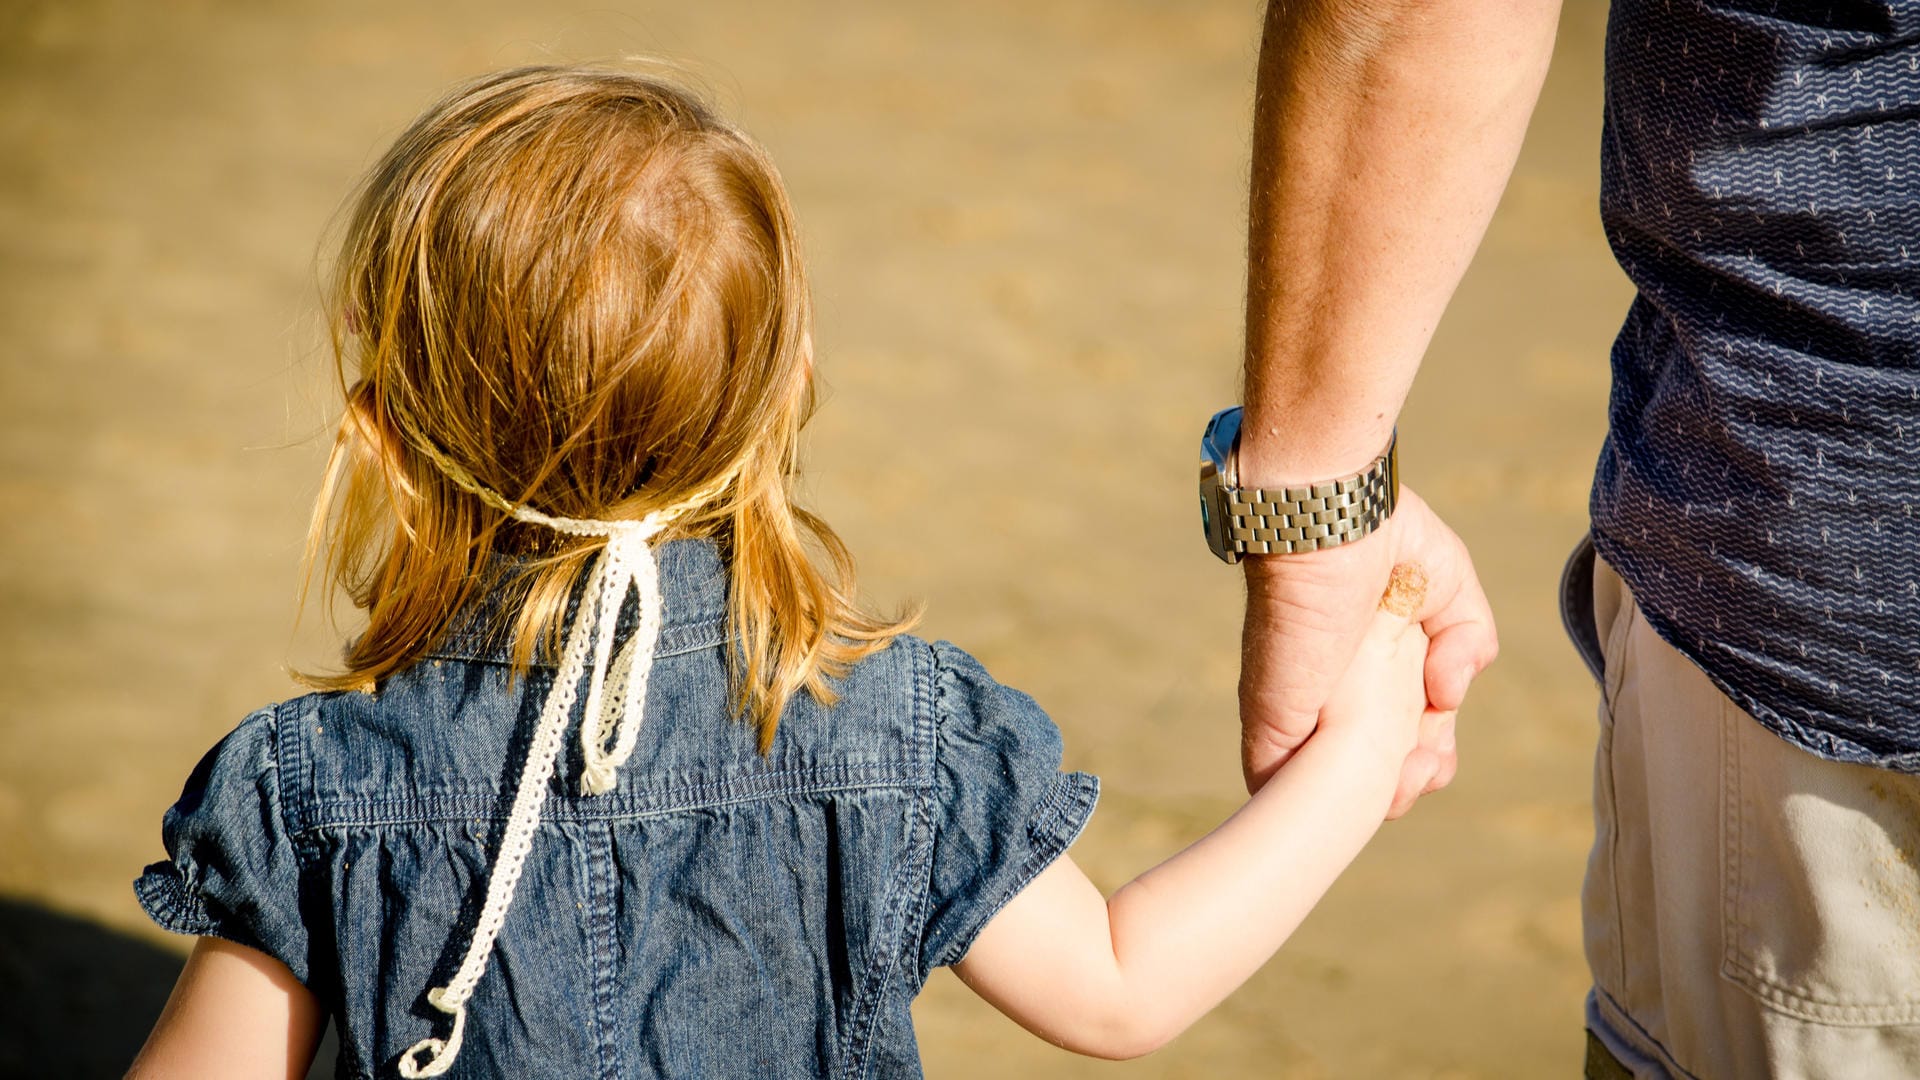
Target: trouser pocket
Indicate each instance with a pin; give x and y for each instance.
(1822, 883)
(1751, 909)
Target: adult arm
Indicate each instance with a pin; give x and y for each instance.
(1384, 132)
(235, 1012)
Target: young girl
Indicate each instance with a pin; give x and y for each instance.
(618, 781)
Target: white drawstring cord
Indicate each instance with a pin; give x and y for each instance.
(627, 562)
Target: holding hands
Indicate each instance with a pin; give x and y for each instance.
(1381, 700)
(1118, 976)
(1328, 629)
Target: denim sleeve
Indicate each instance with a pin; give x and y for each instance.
(232, 872)
(1002, 809)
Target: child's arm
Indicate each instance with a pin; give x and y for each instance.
(1119, 978)
(236, 1012)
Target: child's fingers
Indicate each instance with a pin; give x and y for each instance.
(1400, 606)
(1393, 629)
(1431, 764)
(1406, 590)
(1437, 733)
(1416, 773)
(1436, 730)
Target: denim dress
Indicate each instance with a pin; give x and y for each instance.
(720, 913)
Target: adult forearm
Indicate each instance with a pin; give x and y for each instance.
(1384, 133)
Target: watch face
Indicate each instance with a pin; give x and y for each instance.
(1206, 512)
(1218, 442)
(1217, 446)
(1239, 521)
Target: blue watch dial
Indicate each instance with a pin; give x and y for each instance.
(1218, 441)
(1217, 445)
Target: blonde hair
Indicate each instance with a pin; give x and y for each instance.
(582, 290)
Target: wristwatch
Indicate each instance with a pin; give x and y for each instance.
(1255, 521)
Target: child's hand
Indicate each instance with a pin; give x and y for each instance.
(1118, 977)
(1382, 698)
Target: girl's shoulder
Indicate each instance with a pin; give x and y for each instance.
(343, 833)
(441, 739)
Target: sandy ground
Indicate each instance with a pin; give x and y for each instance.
(1026, 225)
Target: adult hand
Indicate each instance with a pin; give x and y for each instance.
(1306, 615)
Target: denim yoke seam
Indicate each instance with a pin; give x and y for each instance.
(485, 806)
(677, 640)
(295, 783)
(289, 760)
(602, 948)
(906, 890)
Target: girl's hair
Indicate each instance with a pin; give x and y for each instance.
(582, 290)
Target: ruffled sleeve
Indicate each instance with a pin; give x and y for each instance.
(1003, 808)
(232, 871)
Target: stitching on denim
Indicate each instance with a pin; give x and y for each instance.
(1077, 791)
(903, 901)
(940, 676)
(926, 702)
(1072, 797)
(601, 935)
(286, 786)
(178, 908)
(1055, 826)
(429, 809)
(678, 640)
(162, 891)
(294, 765)
(583, 865)
(285, 772)
(906, 892)
(304, 825)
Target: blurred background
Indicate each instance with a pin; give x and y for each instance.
(1025, 222)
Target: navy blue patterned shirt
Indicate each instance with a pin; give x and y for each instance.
(1759, 485)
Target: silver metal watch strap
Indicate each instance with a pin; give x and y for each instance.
(1286, 520)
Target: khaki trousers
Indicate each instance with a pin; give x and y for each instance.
(1751, 910)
